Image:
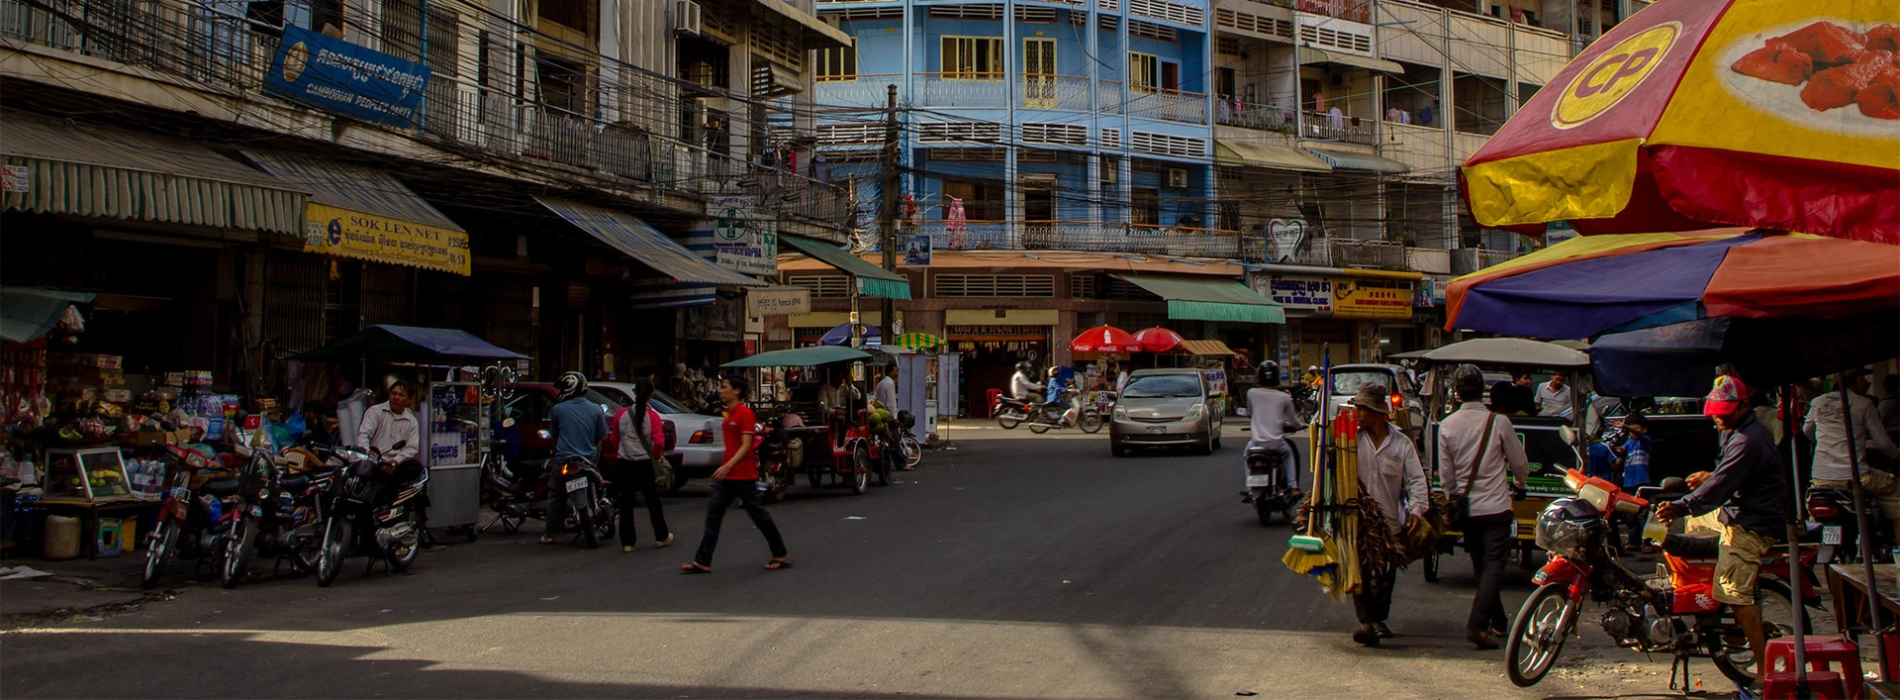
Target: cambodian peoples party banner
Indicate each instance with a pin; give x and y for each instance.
(350, 80)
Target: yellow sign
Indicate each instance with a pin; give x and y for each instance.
(344, 233)
(1613, 75)
(1372, 298)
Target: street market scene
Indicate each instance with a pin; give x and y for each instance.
(1048, 348)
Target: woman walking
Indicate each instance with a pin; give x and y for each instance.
(633, 472)
(737, 479)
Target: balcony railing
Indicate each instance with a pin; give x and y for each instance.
(1374, 254)
(1253, 116)
(965, 90)
(1171, 105)
(1065, 92)
(864, 90)
(1329, 127)
(1105, 237)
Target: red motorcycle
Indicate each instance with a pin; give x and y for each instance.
(1671, 611)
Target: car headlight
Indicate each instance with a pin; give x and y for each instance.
(1120, 413)
(1196, 411)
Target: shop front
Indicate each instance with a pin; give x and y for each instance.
(991, 343)
(1351, 315)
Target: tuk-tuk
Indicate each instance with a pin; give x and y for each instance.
(798, 432)
(1548, 447)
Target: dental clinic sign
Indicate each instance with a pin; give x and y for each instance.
(340, 77)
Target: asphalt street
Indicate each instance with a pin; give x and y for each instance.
(1011, 565)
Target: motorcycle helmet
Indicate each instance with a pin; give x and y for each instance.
(570, 385)
(1025, 368)
(1268, 373)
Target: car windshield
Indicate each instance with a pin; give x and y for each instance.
(667, 405)
(1163, 386)
(1348, 383)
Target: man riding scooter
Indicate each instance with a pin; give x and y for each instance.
(1271, 413)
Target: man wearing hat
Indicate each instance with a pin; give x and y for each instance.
(1480, 458)
(1390, 471)
(1751, 483)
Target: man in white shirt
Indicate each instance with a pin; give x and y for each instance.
(1121, 378)
(1473, 435)
(1270, 415)
(1389, 468)
(886, 392)
(1023, 386)
(1553, 397)
(386, 424)
(1829, 432)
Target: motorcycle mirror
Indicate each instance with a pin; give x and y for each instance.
(1569, 434)
(1675, 484)
(1242, 411)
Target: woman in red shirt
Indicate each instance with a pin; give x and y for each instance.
(737, 479)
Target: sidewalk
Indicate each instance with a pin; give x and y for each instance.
(75, 586)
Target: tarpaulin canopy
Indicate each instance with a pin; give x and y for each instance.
(642, 242)
(1680, 359)
(1506, 352)
(408, 344)
(1209, 348)
(872, 281)
(799, 357)
(1204, 299)
(27, 313)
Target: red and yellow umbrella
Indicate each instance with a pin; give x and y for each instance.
(1158, 339)
(1104, 339)
(1694, 114)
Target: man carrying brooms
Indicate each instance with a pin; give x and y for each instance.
(1390, 471)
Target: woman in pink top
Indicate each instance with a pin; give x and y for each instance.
(633, 473)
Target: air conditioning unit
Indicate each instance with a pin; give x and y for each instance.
(686, 17)
(1177, 178)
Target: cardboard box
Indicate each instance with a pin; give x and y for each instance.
(88, 359)
(118, 396)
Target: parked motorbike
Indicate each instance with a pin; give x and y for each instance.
(1265, 473)
(1671, 611)
(780, 455)
(1833, 510)
(358, 519)
(1305, 403)
(282, 522)
(190, 512)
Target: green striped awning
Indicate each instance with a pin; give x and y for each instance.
(872, 281)
(1209, 298)
(120, 174)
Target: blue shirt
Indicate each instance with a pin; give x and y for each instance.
(1636, 462)
(579, 425)
(1602, 462)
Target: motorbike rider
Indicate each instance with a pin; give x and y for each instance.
(1313, 379)
(386, 424)
(1056, 389)
(1829, 430)
(1271, 413)
(1023, 386)
(1751, 483)
(578, 427)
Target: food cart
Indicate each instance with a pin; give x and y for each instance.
(450, 406)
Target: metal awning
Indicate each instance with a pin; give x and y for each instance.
(119, 174)
(1362, 162)
(1213, 348)
(800, 357)
(1270, 156)
(1205, 299)
(350, 206)
(818, 34)
(1310, 55)
(872, 281)
(386, 343)
(646, 244)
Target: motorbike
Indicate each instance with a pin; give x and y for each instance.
(1833, 509)
(519, 497)
(189, 513)
(1671, 611)
(1043, 416)
(1265, 472)
(283, 522)
(1305, 403)
(357, 519)
(780, 456)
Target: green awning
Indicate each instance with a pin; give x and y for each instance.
(27, 313)
(800, 357)
(1209, 299)
(873, 281)
(121, 174)
(1363, 162)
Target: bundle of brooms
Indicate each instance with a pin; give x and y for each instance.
(1346, 535)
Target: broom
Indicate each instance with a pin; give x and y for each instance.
(1307, 552)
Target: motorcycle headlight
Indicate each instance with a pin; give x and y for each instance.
(1570, 527)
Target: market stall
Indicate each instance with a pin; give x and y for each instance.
(453, 411)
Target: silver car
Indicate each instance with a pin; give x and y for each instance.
(700, 447)
(1165, 408)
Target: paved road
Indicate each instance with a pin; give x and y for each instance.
(1012, 566)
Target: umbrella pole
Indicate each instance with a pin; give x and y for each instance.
(1866, 538)
(1794, 552)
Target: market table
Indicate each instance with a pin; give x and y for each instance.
(90, 512)
(1848, 584)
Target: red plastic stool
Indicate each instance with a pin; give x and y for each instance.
(1833, 668)
(994, 396)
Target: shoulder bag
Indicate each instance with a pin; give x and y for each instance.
(1460, 506)
(662, 469)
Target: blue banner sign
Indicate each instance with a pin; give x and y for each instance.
(350, 80)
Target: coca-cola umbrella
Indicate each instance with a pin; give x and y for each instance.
(1158, 339)
(1108, 339)
(1694, 114)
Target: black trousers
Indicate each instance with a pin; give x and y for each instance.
(1374, 601)
(746, 492)
(1488, 539)
(635, 478)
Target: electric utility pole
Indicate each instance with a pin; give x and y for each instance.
(887, 214)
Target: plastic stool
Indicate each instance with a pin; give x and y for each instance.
(1833, 668)
(994, 396)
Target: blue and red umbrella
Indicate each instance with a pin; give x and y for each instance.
(1611, 283)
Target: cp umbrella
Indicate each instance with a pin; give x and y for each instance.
(1591, 285)
(917, 341)
(841, 335)
(1694, 114)
(1104, 339)
(1157, 339)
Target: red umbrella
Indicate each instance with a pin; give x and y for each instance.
(1104, 339)
(1157, 339)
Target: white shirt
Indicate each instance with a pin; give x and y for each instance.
(382, 428)
(1550, 401)
(887, 394)
(1393, 476)
(1121, 382)
(837, 397)
(1825, 428)
(1458, 446)
(631, 447)
(1024, 388)
(1270, 412)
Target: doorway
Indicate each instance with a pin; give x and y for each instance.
(1039, 73)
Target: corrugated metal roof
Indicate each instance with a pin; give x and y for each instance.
(121, 174)
(352, 187)
(646, 244)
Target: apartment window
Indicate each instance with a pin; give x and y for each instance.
(1144, 71)
(838, 64)
(1145, 206)
(972, 58)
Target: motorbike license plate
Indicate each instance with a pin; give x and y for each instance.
(1259, 481)
(1831, 535)
(576, 484)
(1157, 429)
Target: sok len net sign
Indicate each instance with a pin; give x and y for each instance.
(337, 76)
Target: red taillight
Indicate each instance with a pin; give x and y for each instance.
(1396, 400)
(570, 468)
(1823, 510)
(702, 437)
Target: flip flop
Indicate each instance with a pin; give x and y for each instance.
(693, 567)
(778, 563)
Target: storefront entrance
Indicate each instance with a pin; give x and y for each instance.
(990, 354)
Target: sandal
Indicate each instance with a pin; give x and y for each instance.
(778, 563)
(662, 543)
(693, 567)
(547, 539)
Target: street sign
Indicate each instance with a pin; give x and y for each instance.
(743, 241)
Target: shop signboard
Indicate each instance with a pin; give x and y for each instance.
(344, 78)
(1284, 238)
(1430, 292)
(1372, 298)
(777, 302)
(742, 240)
(349, 234)
(1302, 295)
